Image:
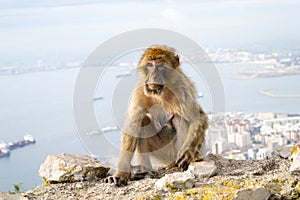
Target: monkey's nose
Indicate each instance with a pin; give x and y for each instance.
(155, 86)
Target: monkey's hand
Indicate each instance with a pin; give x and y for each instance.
(119, 178)
(184, 158)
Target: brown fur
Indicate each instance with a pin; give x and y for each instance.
(163, 91)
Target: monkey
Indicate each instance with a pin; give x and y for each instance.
(164, 122)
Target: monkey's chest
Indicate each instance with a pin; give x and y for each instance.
(171, 106)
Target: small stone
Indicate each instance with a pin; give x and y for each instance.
(78, 186)
(70, 168)
(203, 169)
(248, 194)
(284, 151)
(177, 180)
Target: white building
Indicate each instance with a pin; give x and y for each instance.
(243, 139)
(262, 153)
(252, 153)
(212, 137)
(219, 147)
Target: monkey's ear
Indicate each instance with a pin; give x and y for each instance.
(177, 60)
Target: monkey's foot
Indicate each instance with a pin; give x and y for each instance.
(119, 179)
(139, 172)
(198, 159)
(184, 159)
(169, 166)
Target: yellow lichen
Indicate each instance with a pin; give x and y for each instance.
(212, 192)
(157, 197)
(295, 149)
(68, 170)
(177, 197)
(46, 181)
(192, 192)
(297, 187)
(171, 187)
(235, 184)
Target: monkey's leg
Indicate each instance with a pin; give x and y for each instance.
(159, 146)
(192, 144)
(143, 160)
(122, 175)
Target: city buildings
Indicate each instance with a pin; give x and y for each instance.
(251, 136)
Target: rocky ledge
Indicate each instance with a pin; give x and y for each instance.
(80, 177)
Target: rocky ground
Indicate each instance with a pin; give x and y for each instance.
(223, 179)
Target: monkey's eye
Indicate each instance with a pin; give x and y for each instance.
(149, 65)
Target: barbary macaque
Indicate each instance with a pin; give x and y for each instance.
(164, 120)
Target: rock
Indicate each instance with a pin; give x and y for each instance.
(177, 180)
(6, 196)
(70, 168)
(203, 169)
(284, 151)
(234, 179)
(248, 194)
(295, 156)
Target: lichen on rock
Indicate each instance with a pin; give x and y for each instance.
(70, 167)
(219, 178)
(295, 157)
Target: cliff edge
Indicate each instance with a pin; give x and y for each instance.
(276, 177)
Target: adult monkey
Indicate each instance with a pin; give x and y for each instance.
(163, 91)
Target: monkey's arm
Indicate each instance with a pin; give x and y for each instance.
(130, 136)
(194, 140)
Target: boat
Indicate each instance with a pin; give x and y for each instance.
(6, 148)
(27, 139)
(97, 98)
(109, 128)
(103, 130)
(4, 152)
(199, 95)
(93, 132)
(3, 145)
(123, 75)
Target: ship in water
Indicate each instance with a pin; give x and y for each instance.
(6, 148)
(4, 152)
(199, 95)
(124, 75)
(103, 130)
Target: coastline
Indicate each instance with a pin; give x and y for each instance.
(266, 74)
(269, 94)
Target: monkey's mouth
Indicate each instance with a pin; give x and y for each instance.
(154, 88)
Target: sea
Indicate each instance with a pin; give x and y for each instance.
(41, 104)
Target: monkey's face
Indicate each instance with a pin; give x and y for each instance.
(155, 77)
(157, 65)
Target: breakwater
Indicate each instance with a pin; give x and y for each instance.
(269, 94)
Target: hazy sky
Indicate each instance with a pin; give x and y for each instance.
(39, 28)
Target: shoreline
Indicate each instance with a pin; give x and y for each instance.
(265, 74)
(267, 93)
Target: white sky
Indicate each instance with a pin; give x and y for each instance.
(36, 28)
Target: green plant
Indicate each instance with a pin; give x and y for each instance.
(17, 188)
